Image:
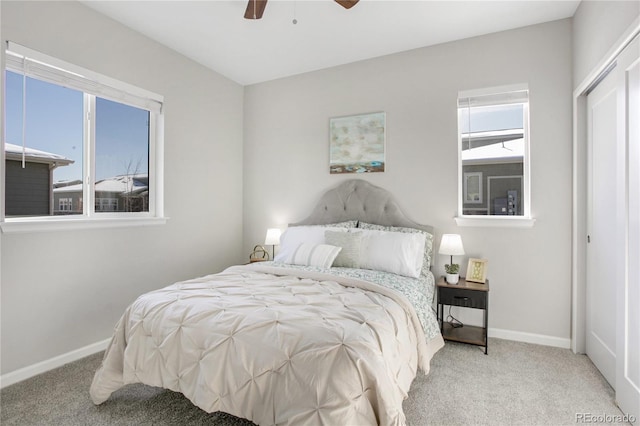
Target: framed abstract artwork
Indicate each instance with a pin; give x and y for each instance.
(357, 143)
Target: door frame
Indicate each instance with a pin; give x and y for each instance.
(579, 199)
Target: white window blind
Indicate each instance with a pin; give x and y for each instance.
(503, 95)
(34, 64)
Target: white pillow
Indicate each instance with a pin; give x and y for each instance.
(293, 236)
(308, 254)
(396, 252)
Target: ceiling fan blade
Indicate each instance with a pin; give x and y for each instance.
(255, 9)
(347, 4)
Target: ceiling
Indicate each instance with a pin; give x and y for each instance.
(215, 34)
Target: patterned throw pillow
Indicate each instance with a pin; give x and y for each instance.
(428, 245)
(321, 255)
(349, 256)
(293, 236)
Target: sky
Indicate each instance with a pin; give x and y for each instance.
(499, 117)
(54, 123)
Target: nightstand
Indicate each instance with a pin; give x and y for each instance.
(467, 295)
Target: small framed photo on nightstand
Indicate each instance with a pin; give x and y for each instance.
(477, 270)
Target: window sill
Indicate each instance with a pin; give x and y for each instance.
(39, 225)
(495, 221)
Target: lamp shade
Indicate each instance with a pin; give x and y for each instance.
(273, 237)
(451, 244)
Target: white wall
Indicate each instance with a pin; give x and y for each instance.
(286, 156)
(597, 25)
(62, 291)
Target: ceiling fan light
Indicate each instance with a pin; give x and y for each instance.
(255, 9)
(347, 4)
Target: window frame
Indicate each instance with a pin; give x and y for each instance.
(522, 221)
(92, 85)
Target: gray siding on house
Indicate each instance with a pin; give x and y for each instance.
(27, 191)
(499, 187)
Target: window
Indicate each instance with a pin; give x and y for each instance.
(78, 145)
(106, 204)
(493, 137)
(64, 205)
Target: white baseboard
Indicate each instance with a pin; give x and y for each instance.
(539, 339)
(49, 364)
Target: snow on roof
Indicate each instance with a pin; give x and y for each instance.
(506, 134)
(14, 152)
(509, 151)
(117, 184)
(70, 188)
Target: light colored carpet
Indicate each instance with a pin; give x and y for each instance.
(517, 383)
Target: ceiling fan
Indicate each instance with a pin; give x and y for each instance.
(255, 8)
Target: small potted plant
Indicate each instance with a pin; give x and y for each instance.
(452, 273)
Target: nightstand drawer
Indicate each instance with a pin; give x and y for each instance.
(461, 297)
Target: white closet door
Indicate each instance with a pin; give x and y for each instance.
(628, 301)
(602, 253)
(613, 223)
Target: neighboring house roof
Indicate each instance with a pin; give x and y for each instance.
(493, 136)
(14, 152)
(119, 184)
(511, 151)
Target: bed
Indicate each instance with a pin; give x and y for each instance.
(332, 331)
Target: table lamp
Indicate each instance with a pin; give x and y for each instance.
(451, 244)
(272, 239)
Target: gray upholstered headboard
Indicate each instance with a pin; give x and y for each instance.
(357, 199)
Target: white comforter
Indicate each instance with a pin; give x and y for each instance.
(298, 348)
